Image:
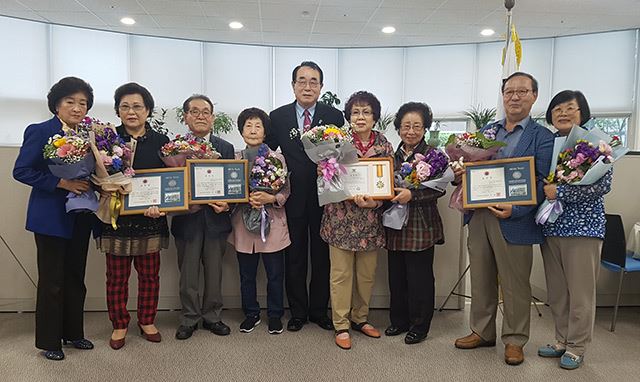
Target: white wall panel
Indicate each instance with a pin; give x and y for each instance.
(24, 66)
(379, 71)
(441, 76)
(238, 77)
(489, 73)
(170, 69)
(600, 65)
(97, 57)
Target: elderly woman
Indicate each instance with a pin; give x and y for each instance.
(253, 124)
(138, 238)
(62, 238)
(411, 249)
(571, 250)
(353, 229)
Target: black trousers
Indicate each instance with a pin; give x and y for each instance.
(304, 232)
(412, 288)
(61, 289)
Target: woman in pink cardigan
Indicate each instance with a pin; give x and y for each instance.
(253, 124)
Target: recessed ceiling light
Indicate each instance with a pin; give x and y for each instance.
(487, 32)
(235, 25)
(388, 29)
(127, 21)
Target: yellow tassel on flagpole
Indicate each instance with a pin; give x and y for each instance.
(517, 45)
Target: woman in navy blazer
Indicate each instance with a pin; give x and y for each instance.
(62, 238)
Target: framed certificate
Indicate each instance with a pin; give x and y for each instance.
(218, 180)
(509, 180)
(162, 187)
(370, 176)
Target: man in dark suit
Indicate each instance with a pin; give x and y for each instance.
(201, 238)
(303, 211)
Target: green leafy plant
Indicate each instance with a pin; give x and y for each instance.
(480, 116)
(223, 123)
(158, 122)
(330, 99)
(384, 122)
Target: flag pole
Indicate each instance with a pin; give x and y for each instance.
(509, 4)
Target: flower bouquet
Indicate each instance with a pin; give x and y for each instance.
(470, 147)
(330, 147)
(176, 152)
(113, 173)
(425, 171)
(72, 160)
(268, 174)
(583, 157)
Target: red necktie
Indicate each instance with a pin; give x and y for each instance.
(306, 123)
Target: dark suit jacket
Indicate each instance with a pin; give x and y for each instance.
(521, 228)
(303, 173)
(46, 213)
(213, 224)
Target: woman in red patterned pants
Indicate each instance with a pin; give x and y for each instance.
(138, 238)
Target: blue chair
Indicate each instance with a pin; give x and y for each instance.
(615, 258)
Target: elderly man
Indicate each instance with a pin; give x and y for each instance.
(501, 237)
(201, 238)
(288, 122)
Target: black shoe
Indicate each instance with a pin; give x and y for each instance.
(82, 344)
(218, 328)
(323, 322)
(414, 337)
(185, 332)
(393, 330)
(295, 324)
(275, 325)
(249, 324)
(54, 355)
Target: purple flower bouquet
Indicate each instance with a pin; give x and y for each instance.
(268, 174)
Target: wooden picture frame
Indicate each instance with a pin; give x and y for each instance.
(224, 180)
(509, 180)
(370, 176)
(162, 187)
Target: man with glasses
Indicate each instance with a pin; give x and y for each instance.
(201, 237)
(288, 122)
(501, 237)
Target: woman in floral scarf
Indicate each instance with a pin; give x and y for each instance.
(353, 229)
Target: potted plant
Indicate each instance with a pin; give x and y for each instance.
(434, 135)
(480, 116)
(329, 98)
(385, 120)
(157, 121)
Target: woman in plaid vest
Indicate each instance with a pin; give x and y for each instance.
(410, 250)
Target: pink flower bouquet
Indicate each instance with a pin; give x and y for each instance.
(471, 147)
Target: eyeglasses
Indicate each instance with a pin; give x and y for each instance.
(136, 108)
(520, 92)
(312, 84)
(561, 110)
(195, 113)
(364, 113)
(415, 128)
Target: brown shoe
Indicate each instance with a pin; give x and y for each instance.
(366, 328)
(473, 341)
(343, 343)
(513, 354)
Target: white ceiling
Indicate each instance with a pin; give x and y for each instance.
(334, 23)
